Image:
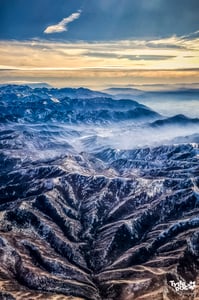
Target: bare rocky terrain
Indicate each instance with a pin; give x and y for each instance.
(80, 219)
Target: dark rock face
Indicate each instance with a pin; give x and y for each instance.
(98, 236)
(97, 225)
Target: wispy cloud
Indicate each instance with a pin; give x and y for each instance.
(129, 56)
(62, 25)
(192, 35)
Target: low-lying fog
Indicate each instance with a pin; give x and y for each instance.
(169, 106)
(48, 141)
(128, 137)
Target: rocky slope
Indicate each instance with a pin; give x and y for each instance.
(95, 224)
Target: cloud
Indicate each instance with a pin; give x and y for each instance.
(174, 52)
(62, 26)
(129, 56)
(192, 35)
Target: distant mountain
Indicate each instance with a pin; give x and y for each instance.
(47, 90)
(67, 105)
(178, 91)
(176, 120)
(123, 91)
(30, 84)
(127, 93)
(155, 88)
(75, 93)
(39, 85)
(174, 92)
(193, 138)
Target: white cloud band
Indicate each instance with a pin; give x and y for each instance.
(62, 25)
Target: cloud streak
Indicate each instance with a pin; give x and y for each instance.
(62, 25)
(129, 57)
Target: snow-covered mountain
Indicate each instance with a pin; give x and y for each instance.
(24, 104)
(99, 198)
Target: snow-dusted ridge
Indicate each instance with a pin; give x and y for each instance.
(100, 209)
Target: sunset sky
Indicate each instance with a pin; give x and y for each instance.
(99, 43)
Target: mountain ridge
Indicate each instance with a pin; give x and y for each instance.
(86, 212)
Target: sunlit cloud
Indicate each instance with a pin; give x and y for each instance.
(62, 25)
(173, 58)
(168, 53)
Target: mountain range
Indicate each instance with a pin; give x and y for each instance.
(99, 198)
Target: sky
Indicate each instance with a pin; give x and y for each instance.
(99, 43)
